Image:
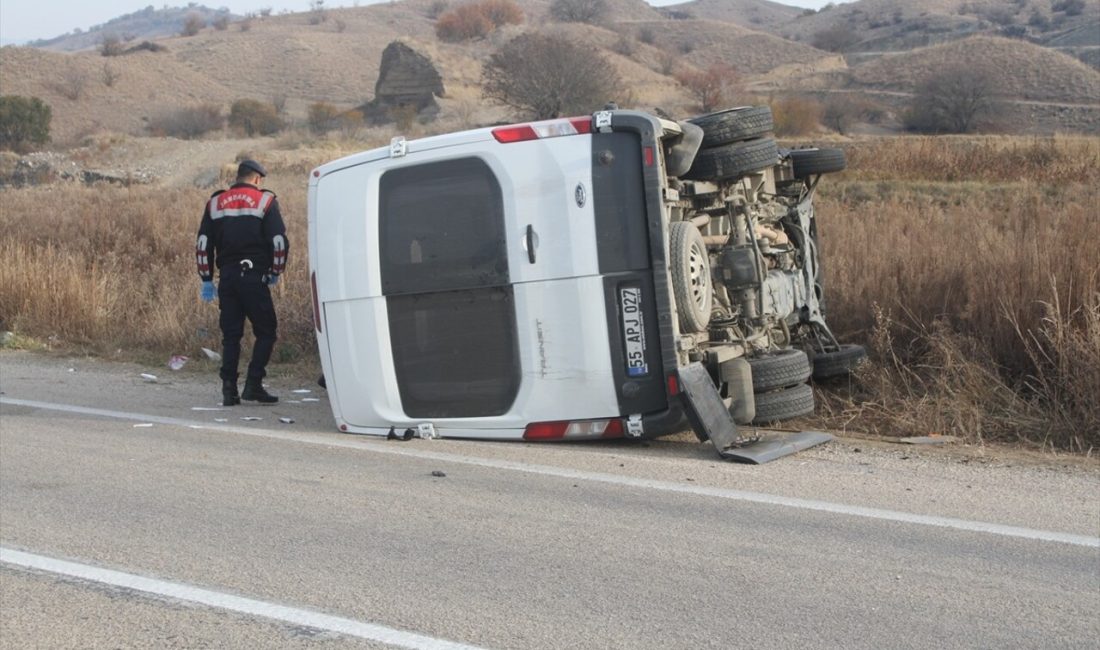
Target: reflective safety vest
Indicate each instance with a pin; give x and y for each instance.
(240, 202)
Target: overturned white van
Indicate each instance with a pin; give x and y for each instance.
(552, 280)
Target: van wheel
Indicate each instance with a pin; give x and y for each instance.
(784, 404)
(779, 369)
(733, 160)
(838, 362)
(809, 162)
(734, 125)
(691, 283)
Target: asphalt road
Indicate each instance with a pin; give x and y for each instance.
(240, 534)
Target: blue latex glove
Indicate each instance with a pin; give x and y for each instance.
(208, 291)
(272, 279)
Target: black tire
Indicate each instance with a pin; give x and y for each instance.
(734, 125)
(779, 405)
(779, 369)
(810, 162)
(839, 362)
(733, 160)
(691, 281)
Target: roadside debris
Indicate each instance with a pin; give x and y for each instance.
(221, 419)
(934, 439)
(286, 420)
(210, 354)
(152, 379)
(405, 437)
(310, 399)
(177, 361)
(301, 391)
(438, 474)
(251, 418)
(143, 425)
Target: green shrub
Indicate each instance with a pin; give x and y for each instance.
(24, 122)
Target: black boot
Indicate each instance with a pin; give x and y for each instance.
(254, 392)
(229, 393)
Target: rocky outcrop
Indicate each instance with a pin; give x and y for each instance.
(408, 83)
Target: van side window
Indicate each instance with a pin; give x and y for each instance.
(445, 277)
(442, 227)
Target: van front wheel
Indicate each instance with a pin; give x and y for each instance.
(691, 282)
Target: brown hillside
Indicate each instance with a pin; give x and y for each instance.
(754, 14)
(702, 43)
(1022, 70)
(148, 84)
(890, 25)
(337, 61)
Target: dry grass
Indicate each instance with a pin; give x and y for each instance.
(980, 297)
(106, 269)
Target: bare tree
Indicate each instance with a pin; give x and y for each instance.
(111, 45)
(71, 83)
(110, 75)
(192, 25)
(578, 11)
(840, 112)
(838, 38)
(317, 12)
(953, 100)
(549, 76)
(711, 88)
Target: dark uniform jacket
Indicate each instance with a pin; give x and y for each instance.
(241, 223)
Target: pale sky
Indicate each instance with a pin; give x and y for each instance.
(27, 20)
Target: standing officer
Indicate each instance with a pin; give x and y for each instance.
(242, 232)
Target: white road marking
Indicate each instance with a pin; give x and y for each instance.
(362, 444)
(219, 600)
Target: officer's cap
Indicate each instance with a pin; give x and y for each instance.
(249, 166)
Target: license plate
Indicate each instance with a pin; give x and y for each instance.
(630, 307)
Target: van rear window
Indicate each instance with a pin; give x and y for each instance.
(445, 277)
(455, 352)
(441, 227)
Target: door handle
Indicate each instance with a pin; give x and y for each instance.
(532, 242)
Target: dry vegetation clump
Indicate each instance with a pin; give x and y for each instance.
(476, 20)
(1060, 160)
(987, 289)
(107, 268)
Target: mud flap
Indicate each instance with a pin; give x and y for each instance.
(712, 421)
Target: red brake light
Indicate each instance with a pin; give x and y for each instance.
(518, 133)
(576, 429)
(673, 385)
(544, 129)
(545, 430)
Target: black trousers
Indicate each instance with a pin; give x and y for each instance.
(240, 296)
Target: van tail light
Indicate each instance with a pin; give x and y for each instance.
(673, 385)
(576, 429)
(540, 130)
(316, 304)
